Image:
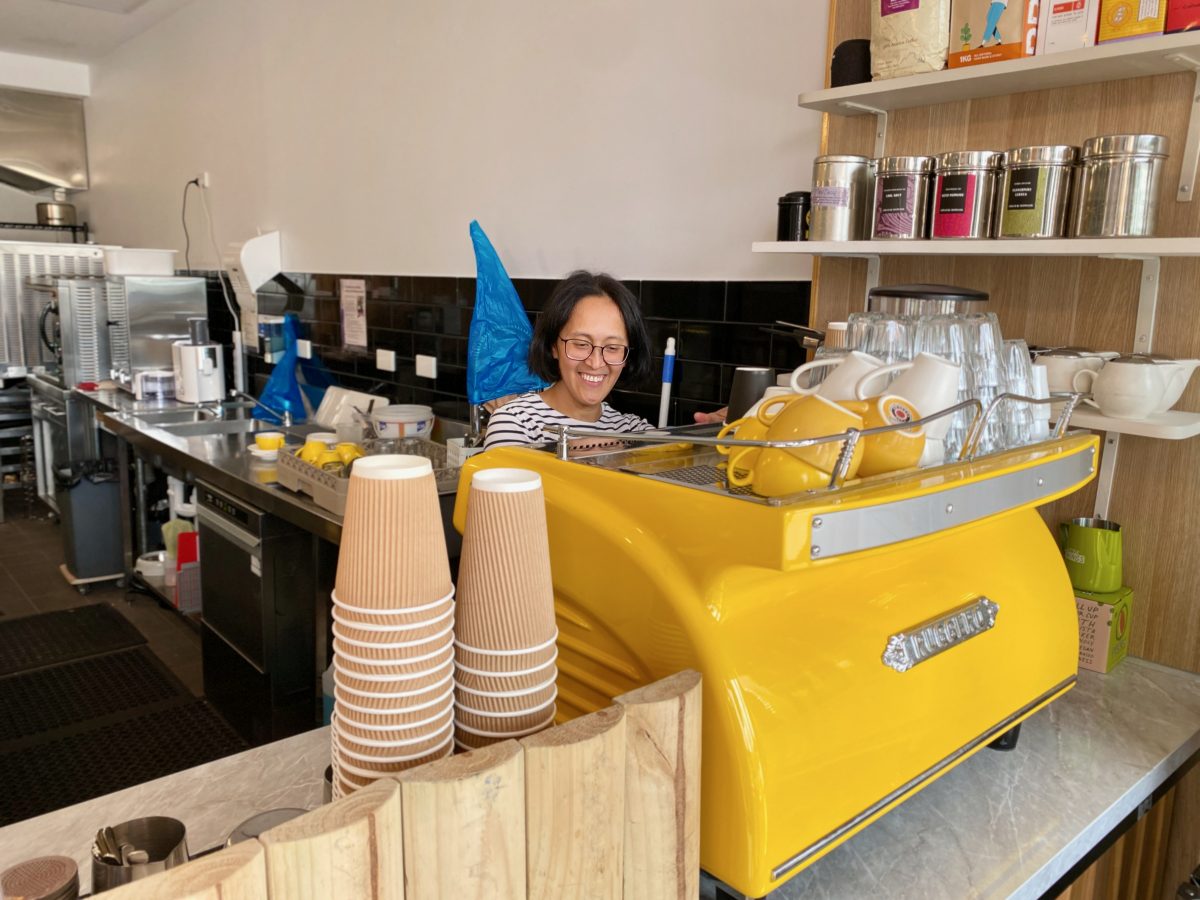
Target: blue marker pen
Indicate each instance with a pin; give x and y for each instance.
(668, 374)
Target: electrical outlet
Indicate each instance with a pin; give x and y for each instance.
(203, 180)
(304, 348)
(385, 360)
(426, 366)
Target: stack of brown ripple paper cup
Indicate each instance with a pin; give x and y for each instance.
(505, 635)
(393, 625)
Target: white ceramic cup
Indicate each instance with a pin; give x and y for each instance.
(839, 384)
(1041, 390)
(770, 393)
(929, 382)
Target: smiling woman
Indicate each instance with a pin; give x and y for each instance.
(590, 334)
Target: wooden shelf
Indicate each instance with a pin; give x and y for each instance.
(1173, 425)
(1107, 62)
(1119, 248)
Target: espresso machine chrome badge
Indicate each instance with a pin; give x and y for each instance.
(928, 639)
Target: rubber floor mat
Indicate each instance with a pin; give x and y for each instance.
(47, 639)
(75, 693)
(94, 762)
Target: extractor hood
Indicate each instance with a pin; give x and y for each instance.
(42, 143)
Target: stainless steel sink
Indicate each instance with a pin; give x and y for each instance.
(217, 426)
(176, 416)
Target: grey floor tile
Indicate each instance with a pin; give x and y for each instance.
(30, 581)
(13, 602)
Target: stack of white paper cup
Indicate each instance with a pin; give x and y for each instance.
(505, 633)
(393, 625)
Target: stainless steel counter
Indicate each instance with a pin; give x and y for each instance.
(218, 459)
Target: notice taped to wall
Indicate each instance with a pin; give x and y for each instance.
(353, 293)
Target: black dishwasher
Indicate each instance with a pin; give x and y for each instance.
(258, 584)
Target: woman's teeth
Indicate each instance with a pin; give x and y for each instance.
(592, 379)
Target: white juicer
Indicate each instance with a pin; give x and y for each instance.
(199, 366)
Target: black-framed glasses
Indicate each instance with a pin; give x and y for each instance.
(578, 350)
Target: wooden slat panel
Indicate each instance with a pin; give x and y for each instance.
(662, 789)
(575, 808)
(346, 850)
(237, 873)
(1183, 839)
(465, 825)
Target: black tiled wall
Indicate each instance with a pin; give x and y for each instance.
(717, 326)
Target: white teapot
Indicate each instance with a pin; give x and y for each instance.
(1062, 365)
(1179, 373)
(1135, 387)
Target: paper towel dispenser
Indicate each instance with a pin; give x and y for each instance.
(42, 141)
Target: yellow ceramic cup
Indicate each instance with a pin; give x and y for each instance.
(813, 416)
(744, 429)
(770, 408)
(776, 473)
(347, 452)
(894, 450)
(268, 440)
(780, 472)
(312, 450)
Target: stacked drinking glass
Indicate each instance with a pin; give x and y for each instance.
(393, 625)
(505, 634)
(989, 366)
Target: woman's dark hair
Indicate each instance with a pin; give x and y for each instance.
(553, 319)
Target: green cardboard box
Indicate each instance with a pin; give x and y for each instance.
(1104, 623)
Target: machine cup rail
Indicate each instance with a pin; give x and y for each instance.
(569, 440)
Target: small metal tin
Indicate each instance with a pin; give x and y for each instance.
(1036, 190)
(1120, 180)
(841, 198)
(903, 190)
(966, 194)
(794, 208)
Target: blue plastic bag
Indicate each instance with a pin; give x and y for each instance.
(282, 392)
(498, 344)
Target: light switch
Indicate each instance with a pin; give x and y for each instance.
(385, 360)
(304, 348)
(426, 366)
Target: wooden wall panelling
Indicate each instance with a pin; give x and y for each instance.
(1133, 868)
(1061, 301)
(1183, 841)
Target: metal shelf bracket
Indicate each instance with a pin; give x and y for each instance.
(872, 275)
(1108, 471)
(1143, 338)
(881, 124)
(1191, 147)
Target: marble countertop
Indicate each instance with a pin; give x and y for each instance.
(1001, 824)
(210, 800)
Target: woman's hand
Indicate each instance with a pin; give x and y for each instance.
(712, 418)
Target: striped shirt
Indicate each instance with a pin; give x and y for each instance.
(521, 421)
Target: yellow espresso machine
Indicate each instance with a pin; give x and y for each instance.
(856, 643)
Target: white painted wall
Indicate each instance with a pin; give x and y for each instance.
(37, 73)
(649, 139)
